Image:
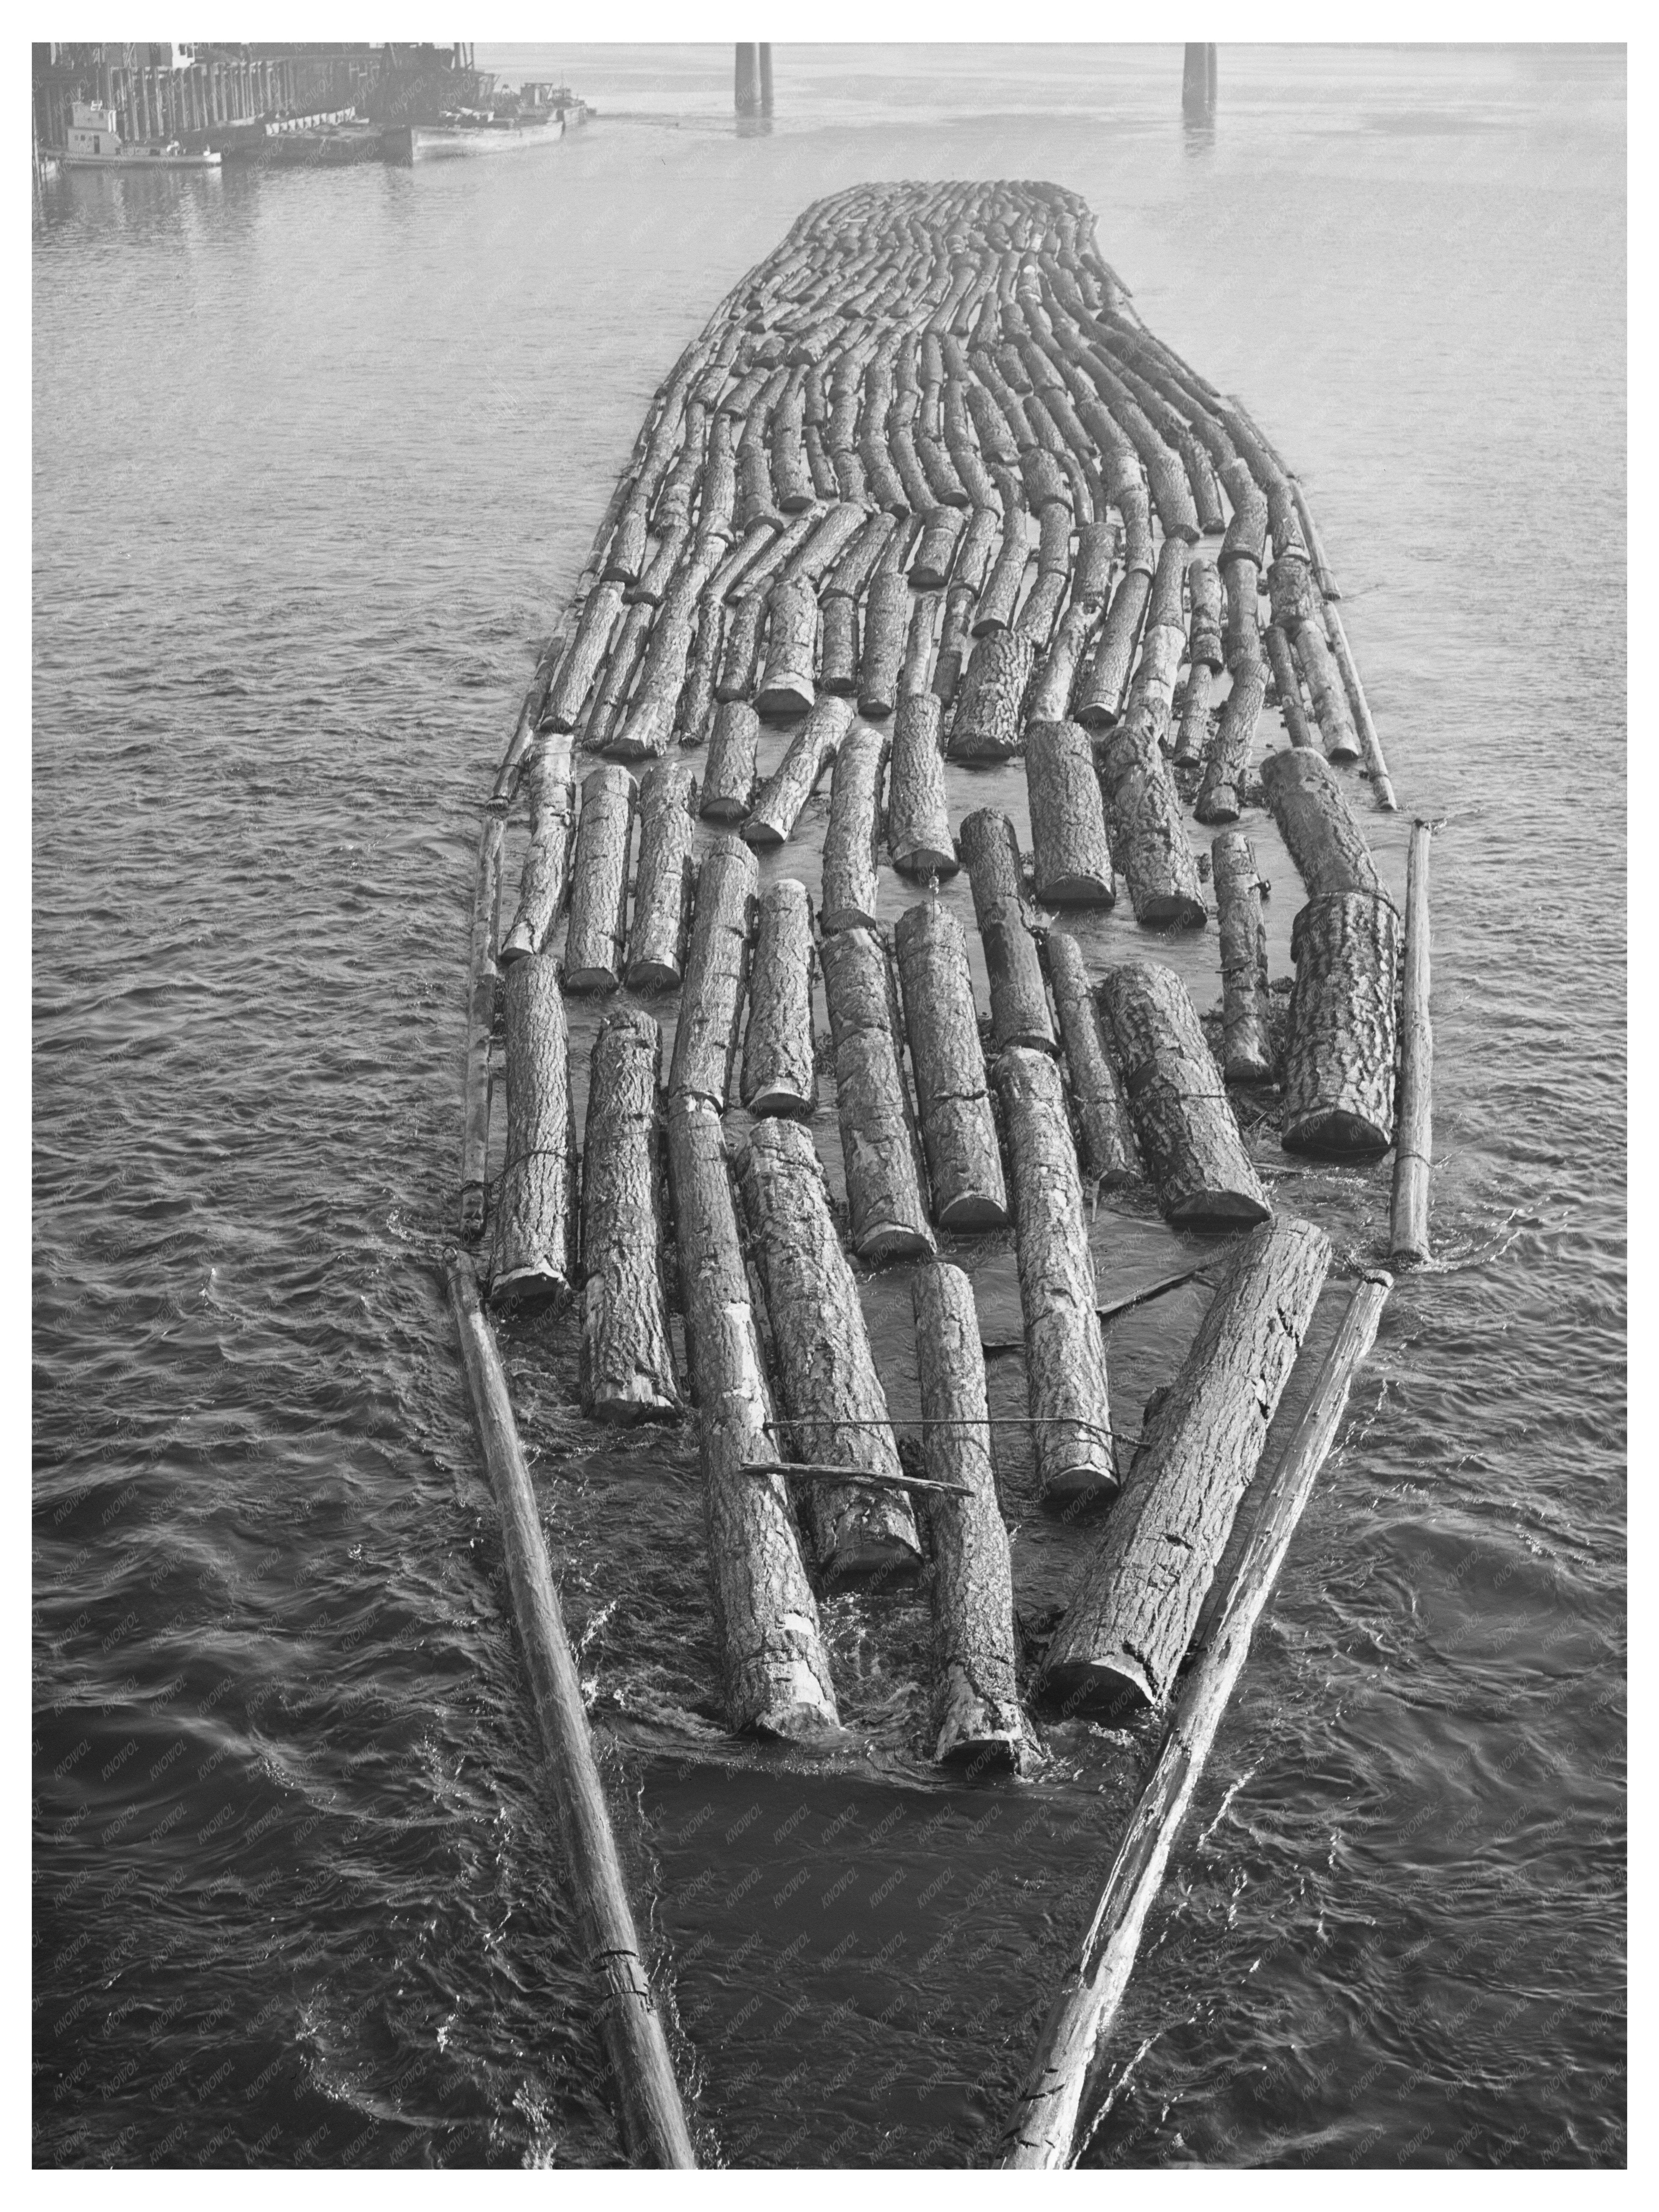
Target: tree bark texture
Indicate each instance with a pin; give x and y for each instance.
(716, 974)
(958, 1128)
(838, 671)
(886, 1180)
(1370, 744)
(617, 683)
(1330, 700)
(1189, 1137)
(1242, 637)
(1339, 1061)
(741, 648)
(1193, 737)
(1101, 688)
(1246, 1025)
(695, 703)
(775, 1672)
(919, 841)
(1204, 627)
(791, 630)
(935, 554)
(535, 1254)
(1308, 804)
(728, 783)
(886, 621)
(1050, 699)
(597, 936)
(663, 879)
(826, 1375)
(977, 1719)
(1065, 1352)
(1149, 834)
(1221, 791)
(1126, 1630)
(995, 608)
(780, 1074)
(627, 1355)
(1074, 861)
(567, 692)
(1288, 685)
(852, 873)
(979, 547)
(781, 799)
(987, 726)
(546, 874)
(1107, 1151)
(1092, 577)
(1019, 1003)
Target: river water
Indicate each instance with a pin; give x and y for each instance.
(315, 455)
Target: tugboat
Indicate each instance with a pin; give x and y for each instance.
(94, 143)
(539, 115)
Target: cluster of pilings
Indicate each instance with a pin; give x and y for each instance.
(925, 494)
(191, 103)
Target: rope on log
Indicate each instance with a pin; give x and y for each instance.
(1408, 1221)
(652, 2116)
(824, 1366)
(976, 1715)
(1042, 2130)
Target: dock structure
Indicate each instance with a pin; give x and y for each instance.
(925, 501)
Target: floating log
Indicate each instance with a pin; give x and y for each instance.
(1370, 744)
(930, 570)
(852, 840)
(653, 2119)
(567, 692)
(977, 1720)
(627, 1358)
(716, 974)
(1065, 1352)
(919, 646)
(482, 976)
(1221, 792)
(977, 550)
(728, 784)
(622, 666)
(596, 939)
(1246, 1021)
(1408, 1221)
(831, 537)
(781, 799)
(1072, 859)
(886, 1183)
(546, 874)
(958, 1129)
(1246, 532)
(1049, 697)
(987, 726)
(1288, 685)
(1127, 1627)
(1036, 619)
(663, 880)
(838, 671)
(780, 1073)
(1330, 700)
(1204, 591)
(1149, 835)
(791, 630)
(1101, 687)
(1325, 843)
(952, 643)
(886, 619)
(1241, 637)
(1338, 1058)
(994, 610)
(1189, 1137)
(1194, 738)
(775, 1672)
(1096, 545)
(1044, 2127)
(1019, 1003)
(741, 648)
(1107, 1151)
(1289, 593)
(695, 703)
(863, 556)
(534, 1258)
(919, 842)
(826, 1375)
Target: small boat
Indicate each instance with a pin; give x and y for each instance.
(95, 142)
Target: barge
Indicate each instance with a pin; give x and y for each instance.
(948, 649)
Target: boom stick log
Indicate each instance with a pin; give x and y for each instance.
(652, 2117)
(1408, 1225)
(1042, 2128)
(482, 976)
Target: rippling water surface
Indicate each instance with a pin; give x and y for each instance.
(315, 455)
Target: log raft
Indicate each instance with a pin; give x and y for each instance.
(935, 402)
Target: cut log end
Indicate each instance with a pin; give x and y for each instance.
(1099, 1688)
(1217, 1209)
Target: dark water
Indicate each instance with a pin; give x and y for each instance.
(315, 455)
